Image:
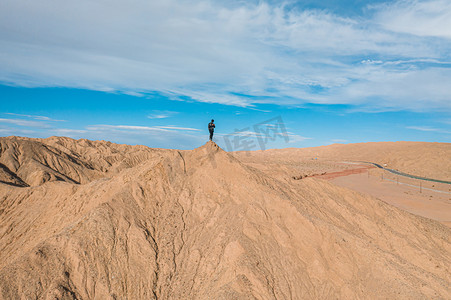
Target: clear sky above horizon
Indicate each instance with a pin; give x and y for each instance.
(272, 74)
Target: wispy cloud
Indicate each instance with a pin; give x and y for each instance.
(172, 127)
(296, 138)
(141, 128)
(248, 139)
(41, 118)
(69, 132)
(339, 141)
(135, 94)
(27, 123)
(241, 133)
(7, 131)
(155, 136)
(161, 114)
(422, 128)
(428, 129)
(422, 18)
(243, 54)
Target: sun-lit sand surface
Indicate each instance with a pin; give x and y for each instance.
(429, 204)
(423, 159)
(86, 219)
(339, 164)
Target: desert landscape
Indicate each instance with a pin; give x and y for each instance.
(210, 150)
(83, 219)
(354, 166)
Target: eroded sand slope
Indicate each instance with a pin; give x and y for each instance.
(151, 223)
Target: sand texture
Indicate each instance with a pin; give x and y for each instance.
(432, 160)
(96, 220)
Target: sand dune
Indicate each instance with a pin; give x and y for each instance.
(95, 220)
(431, 160)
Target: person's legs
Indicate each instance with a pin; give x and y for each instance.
(211, 135)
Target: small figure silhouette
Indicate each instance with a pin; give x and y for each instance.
(211, 128)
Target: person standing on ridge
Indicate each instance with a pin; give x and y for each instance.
(211, 128)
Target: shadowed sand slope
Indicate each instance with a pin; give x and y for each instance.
(199, 224)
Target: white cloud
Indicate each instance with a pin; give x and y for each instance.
(68, 132)
(17, 131)
(242, 133)
(166, 128)
(422, 18)
(421, 128)
(28, 123)
(247, 139)
(341, 141)
(172, 127)
(428, 129)
(161, 114)
(211, 52)
(41, 118)
(296, 138)
(419, 89)
(153, 136)
(134, 94)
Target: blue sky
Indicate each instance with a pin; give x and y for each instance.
(155, 72)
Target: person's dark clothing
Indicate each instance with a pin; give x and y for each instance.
(211, 128)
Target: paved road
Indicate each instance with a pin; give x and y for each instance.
(405, 174)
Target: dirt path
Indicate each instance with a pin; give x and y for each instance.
(328, 176)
